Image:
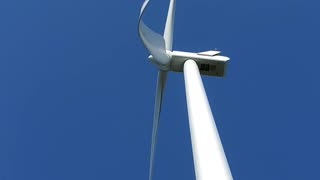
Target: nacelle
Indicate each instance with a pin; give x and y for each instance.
(210, 63)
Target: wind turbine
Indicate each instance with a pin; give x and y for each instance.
(209, 158)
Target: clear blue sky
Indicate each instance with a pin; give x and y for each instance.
(77, 90)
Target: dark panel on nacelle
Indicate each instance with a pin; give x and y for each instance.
(212, 68)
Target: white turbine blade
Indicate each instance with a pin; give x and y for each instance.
(162, 77)
(168, 31)
(209, 159)
(153, 41)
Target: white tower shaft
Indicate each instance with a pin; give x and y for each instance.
(210, 162)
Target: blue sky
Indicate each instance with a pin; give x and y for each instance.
(77, 90)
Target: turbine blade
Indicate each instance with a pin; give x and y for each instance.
(162, 77)
(168, 31)
(153, 41)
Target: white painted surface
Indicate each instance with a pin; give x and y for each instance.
(154, 42)
(209, 159)
(161, 82)
(218, 64)
(209, 53)
(168, 30)
(190, 55)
